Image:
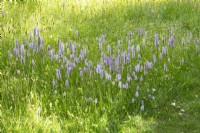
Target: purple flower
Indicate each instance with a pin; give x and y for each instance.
(66, 83)
(136, 94)
(61, 48)
(164, 50)
(130, 34)
(35, 32)
(48, 48)
(58, 74)
(133, 52)
(16, 51)
(137, 68)
(118, 77)
(82, 56)
(171, 41)
(108, 76)
(88, 99)
(22, 49)
(81, 72)
(103, 38)
(140, 32)
(68, 71)
(156, 40)
(160, 56)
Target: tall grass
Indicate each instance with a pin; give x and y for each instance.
(98, 66)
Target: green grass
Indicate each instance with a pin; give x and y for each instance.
(29, 103)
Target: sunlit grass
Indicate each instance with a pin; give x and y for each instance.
(30, 102)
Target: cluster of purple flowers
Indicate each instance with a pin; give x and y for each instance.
(110, 66)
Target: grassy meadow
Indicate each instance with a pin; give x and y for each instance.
(90, 66)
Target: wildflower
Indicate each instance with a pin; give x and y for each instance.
(164, 50)
(108, 76)
(149, 96)
(66, 83)
(137, 68)
(103, 38)
(171, 41)
(138, 48)
(141, 78)
(182, 110)
(172, 31)
(76, 33)
(130, 34)
(88, 99)
(154, 58)
(33, 62)
(168, 59)
(118, 77)
(109, 49)
(18, 72)
(58, 74)
(56, 57)
(160, 56)
(120, 84)
(22, 59)
(137, 88)
(22, 49)
(95, 100)
(173, 104)
(35, 32)
(16, 51)
(136, 94)
(196, 41)
(64, 94)
(156, 40)
(129, 78)
(54, 83)
(73, 47)
(142, 105)
(165, 67)
(140, 32)
(133, 100)
(100, 46)
(183, 41)
(182, 61)
(118, 44)
(81, 72)
(61, 48)
(191, 35)
(82, 56)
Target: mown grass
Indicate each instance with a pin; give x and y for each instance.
(29, 103)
